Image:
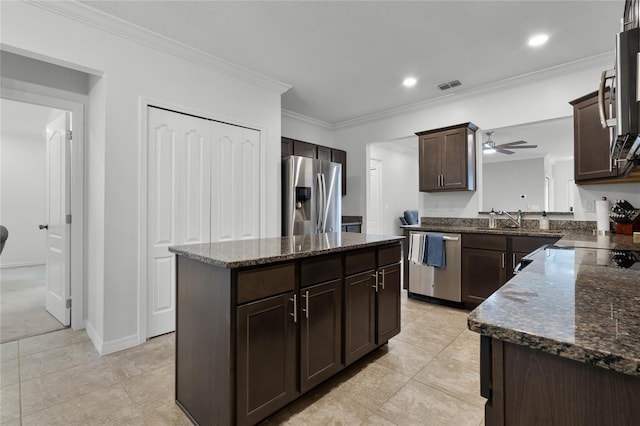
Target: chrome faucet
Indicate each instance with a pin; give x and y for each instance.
(517, 221)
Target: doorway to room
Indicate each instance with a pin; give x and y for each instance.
(35, 194)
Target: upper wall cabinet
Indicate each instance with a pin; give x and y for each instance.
(591, 141)
(591, 146)
(305, 149)
(447, 158)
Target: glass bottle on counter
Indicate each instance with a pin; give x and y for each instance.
(544, 221)
(492, 219)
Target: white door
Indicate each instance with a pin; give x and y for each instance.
(179, 195)
(373, 208)
(236, 183)
(58, 206)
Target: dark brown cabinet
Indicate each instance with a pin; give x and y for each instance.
(360, 298)
(286, 147)
(306, 149)
(320, 320)
(526, 386)
(266, 357)
(320, 333)
(250, 340)
(323, 153)
(340, 156)
(591, 157)
(488, 262)
(352, 228)
(446, 158)
(522, 246)
(484, 271)
(388, 305)
(372, 299)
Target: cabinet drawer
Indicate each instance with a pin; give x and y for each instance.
(529, 244)
(320, 269)
(483, 241)
(360, 261)
(259, 283)
(389, 255)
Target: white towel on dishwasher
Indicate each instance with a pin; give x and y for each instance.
(416, 248)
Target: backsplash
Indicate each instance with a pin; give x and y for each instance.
(574, 225)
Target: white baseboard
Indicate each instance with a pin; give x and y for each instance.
(93, 335)
(22, 264)
(105, 348)
(119, 344)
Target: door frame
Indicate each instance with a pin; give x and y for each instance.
(76, 260)
(370, 207)
(143, 180)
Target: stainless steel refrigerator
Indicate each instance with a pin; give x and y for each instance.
(311, 196)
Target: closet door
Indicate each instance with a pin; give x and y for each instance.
(235, 183)
(179, 200)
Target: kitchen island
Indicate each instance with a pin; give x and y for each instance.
(261, 322)
(560, 342)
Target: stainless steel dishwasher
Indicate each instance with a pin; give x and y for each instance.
(441, 283)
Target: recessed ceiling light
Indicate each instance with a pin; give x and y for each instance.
(538, 40)
(409, 82)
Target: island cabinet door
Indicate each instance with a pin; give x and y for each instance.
(266, 345)
(320, 333)
(388, 318)
(360, 330)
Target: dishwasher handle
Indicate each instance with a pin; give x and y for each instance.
(448, 238)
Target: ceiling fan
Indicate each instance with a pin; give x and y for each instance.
(489, 147)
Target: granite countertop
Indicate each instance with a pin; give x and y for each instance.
(352, 220)
(236, 254)
(568, 303)
(456, 229)
(568, 237)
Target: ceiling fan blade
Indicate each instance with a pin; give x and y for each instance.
(507, 144)
(522, 146)
(504, 151)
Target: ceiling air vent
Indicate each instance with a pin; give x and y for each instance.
(449, 85)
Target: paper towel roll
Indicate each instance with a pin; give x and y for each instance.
(602, 215)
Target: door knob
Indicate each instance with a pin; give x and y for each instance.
(43, 226)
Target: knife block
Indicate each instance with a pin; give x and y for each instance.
(628, 228)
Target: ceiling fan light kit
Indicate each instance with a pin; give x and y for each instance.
(489, 147)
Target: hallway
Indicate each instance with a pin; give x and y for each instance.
(22, 304)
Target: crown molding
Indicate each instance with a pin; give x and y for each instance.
(596, 60)
(111, 24)
(307, 119)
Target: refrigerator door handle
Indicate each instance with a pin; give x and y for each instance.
(325, 207)
(319, 199)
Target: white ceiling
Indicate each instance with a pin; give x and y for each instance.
(347, 59)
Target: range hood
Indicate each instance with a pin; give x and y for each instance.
(621, 113)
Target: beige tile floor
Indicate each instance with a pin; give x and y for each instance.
(22, 299)
(427, 375)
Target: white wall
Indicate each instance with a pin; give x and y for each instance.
(22, 196)
(303, 129)
(129, 72)
(532, 98)
(506, 181)
(563, 186)
(399, 192)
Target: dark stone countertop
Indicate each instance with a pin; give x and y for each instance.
(240, 253)
(568, 303)
(351, 220)
(455, 229)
